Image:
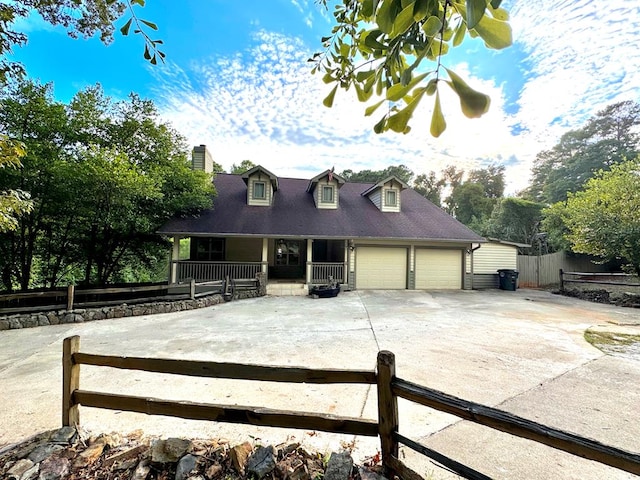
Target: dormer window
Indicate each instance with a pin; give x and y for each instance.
(325, 189)
(391, 198)
(259, 190)
(261, 186)
(386, 194)
(327, 194)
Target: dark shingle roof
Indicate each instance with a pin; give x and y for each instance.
(293, 213)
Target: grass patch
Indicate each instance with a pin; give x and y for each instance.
(610, 339)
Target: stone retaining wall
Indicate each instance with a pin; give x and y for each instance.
(57, 317)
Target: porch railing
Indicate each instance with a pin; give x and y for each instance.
(321, 271)
(206, 271)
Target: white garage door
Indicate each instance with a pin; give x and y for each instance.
(438, 269)
(381, 268)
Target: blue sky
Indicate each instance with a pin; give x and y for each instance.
(237, 80)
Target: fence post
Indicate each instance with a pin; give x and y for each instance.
(70, 294)
(192, 289)
(70, 381)
(387, 409)
(561, 281)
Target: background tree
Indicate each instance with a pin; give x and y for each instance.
(380, 46)
(430, 187)
(402, 172)
(604, 219)
(103, 175)
(242, 167)
(608, 138)
(514, 219)
(491, 178)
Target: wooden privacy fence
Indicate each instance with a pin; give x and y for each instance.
(389, 389)
(542, 270)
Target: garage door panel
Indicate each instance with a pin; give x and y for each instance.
(381, 268)
(438, 269)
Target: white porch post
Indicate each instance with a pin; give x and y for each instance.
(175, 256)
(309, 259)
(265, 255)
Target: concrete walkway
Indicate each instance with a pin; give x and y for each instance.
(522, 351)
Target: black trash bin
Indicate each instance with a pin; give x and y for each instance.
(508, 279)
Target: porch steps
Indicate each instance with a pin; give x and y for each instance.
(287, 289)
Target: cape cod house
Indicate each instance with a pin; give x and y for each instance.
(301, 231)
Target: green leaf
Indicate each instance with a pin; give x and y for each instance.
(495, 33)
(500, 14)
(372, 108)
(139, 2)
(147, 55)
(473, 103)
(420, 10)
(327, 78)
(459, 35)
(496, 3)
(403, 21)
(362, 76)
(150, 24)
(153, 60)
(328, 101)
(387, 15)
(379, 127)
(475, 11)
(125, 28)
(371, 39)
(363, 94)
(432, 26)
(367, 8)
(432, 86)
(438, 124)
(399, 121)
(397, 91)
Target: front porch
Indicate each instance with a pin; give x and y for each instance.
(285, 261)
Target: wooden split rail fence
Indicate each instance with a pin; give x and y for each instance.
(389, 389)
(598, 278)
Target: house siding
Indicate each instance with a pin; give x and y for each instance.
(318, 195)
(493, 256)
(268, 190)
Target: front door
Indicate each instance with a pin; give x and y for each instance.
(290, 259)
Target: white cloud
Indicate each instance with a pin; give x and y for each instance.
(262, 104)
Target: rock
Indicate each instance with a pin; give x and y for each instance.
(54, 468)
(19, 468)
(213, 471)
(185, 466)
(293, 468)
(43, 451)
(43, 320)
(4, 325)
(31, 474)
(63, 435)
(262, 462)
(131, 453)
(141, 471)
(89, 455)
(366, 474)
(169, 450)
(339, 466)
(239, 456)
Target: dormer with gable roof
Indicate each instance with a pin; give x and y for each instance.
(325, 189)
(386, 194)
(261, 186)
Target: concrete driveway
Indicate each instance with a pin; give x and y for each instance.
(522, 351)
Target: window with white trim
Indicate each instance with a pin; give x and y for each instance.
(327, 194)
(259, 190)
(391, 198)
